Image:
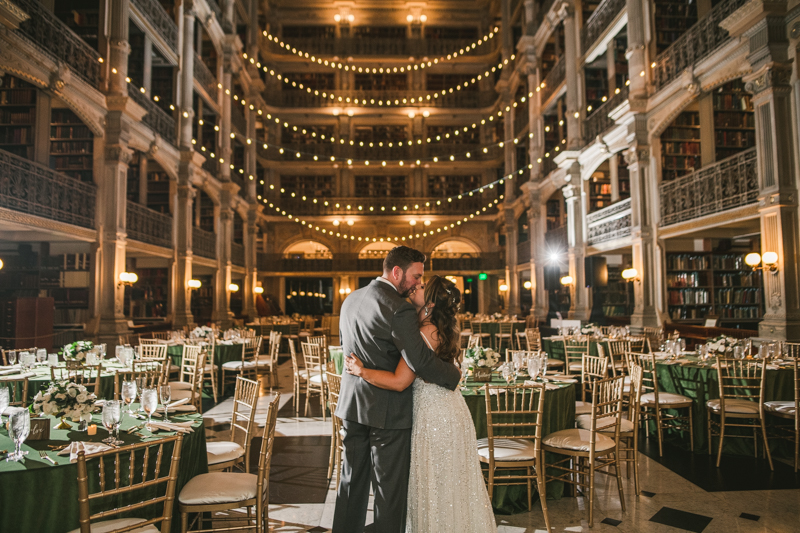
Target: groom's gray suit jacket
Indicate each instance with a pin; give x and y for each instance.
(380, 326)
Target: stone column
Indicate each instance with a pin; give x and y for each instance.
(637, 60)
(512, 279)
(537, 227)
(182, 230)
(250, 261)
(224, 232)
(226, 153)
(186, 78)
(580, 306)
(567, 13)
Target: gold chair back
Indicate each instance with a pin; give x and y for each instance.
(574, 350)
(17, 388)
(150, 371)
(243, 417)
(592, 369)
(87, 375)
(533, 338)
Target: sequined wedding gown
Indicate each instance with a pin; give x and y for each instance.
(446, 490)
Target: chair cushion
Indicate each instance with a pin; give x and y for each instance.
(111, 525)
(554, 363)
(508, 449)
(664, 398)
(180, 385)
(576, 366)
(209, 367)
(741, 407)
(223, 451)
(583, 408)
(237, 365)
(181, 394)
(316, 378)
(585, 422)
(785, 408)
(219, 487)
(577, 440)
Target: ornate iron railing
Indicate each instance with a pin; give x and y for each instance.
(238, 121)
(554, 79)
(609, 223)
(146, 225)
(387, 206)
(154, 12)
(599, 21)
(34, 189)
(354, 46)
(698, 42)
(470, 99)
(467, 262)
(599, 122)
(204, 243)
(237, 254)
(205, 77)
(45, 30)
(730, 183)
(156, 118)
(356, 263)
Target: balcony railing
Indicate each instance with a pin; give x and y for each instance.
(609, 223)
(730, 183)
(556, 239)
(204, 243)
(601, 19)
(205, 77)
(393, 206)
(146, 225)
(354, 46)
(470, 99)
(698, 42)
(237, 254)
(46, 31)
(467, 262)
(156, 118)
(155, 14)
(290, 151)
(238, 121)
(554, 79)
(524, 252)
(599, 122)
(34, 189)
(356, 263)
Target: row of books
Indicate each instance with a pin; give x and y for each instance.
(738, 296)
(18, 97)
(688, 313)
(71, 147)
(71, 163)
(27, 116)
(736, 280)
(687, 262)
(686, 162)
(731, 101)
(688, 134)
(685, 279)
(738, 139)
(688, 296)
(739, 312)
(679, 148)
(736, 119)
(70, 132)
(19, 135)
(730, 262)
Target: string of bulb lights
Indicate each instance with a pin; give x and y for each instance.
(425, 63)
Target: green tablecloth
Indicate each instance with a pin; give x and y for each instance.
(42, 380)
(222, 354)
(337, 356)
(493, 328)
(559, 407)
(36, 497)
(555, 348)
(700, 382)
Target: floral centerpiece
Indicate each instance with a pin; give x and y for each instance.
(202, 332)
(76, 351)
(588, 329)
(64, 399)
(722, 345)
(482, 361)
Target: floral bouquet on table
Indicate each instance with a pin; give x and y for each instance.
(64, 399)
(202, 332)
(722, 345)
(588, 329)
(76, 351)
(482, 361)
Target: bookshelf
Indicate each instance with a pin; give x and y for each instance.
(556, 213)
(148, 298)
(202, 302)
(133, 177)
(451, 32)
(596, 80)
(599, 191)
(158, 194)
(440, 82)
(308, 32)
(620, 62)
(238, 229)
(17, 117)
(71, 145)
(680, 146)
(706, 283)
(623, 178)
(672, 19)
(380, 186)
(314, 80)
(162, 83)
(444, 186)
(380, 82)
(381, 134)
(310, 186)
(82, 17)
(313, 135)
(734, 121)
(617, 294)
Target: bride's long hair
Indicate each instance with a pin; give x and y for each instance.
(445, 297)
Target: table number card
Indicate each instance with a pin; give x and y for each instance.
(40, 429)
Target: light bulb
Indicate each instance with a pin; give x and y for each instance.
(336, 222)
(566, 280)
(629, 274)
(337, 17)
(752, 259)
(351, 222)
(259, 290)
(412, 222)
(194, 283)
(233, 287)
(503, 287)
(527, 285)
(769, 258)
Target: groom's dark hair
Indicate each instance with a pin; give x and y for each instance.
(402, 256)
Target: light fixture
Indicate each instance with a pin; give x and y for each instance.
(350, 112)
(527, 285)
(336, 222)
(347, 290)
(294, 293)
(351, 222)
(409, 17)
(125, 278)
(337, 17)
(233, 287)
(630, 274)
(259, 290)
(768, 261)
(426, 113)
(351, 17)
(423, 18)
(341, 291)
(566, 280)
(1, 263)
(412, 222)
(335, 112)
(194, 284)
(503, 287)
(411, 114)
(427, 222)
(302, 293)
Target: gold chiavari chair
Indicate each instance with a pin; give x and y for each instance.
(616, 353)
(162, 335)
(315, 366)
(659, 406)
(269, 361)
(514, 415)
(533, 339)
(17, 389)
(574, 350)
(157, 351)
(504, 336)
(151, 482)
(337, 447)
(638, 344)
(321, 340)
(16, 353)
(474, 341)
(248, 366)
(225, 454)
(87, 375)
(151, 372)
(466, 332)
(788, 409)
(218, 492)
(484, 331)
(299, 377)
(592, 369)
(741, 398)
(191, 376)
(211, 368)
(655, 335)
(587, 452)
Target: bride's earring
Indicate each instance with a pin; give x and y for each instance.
(427, 311)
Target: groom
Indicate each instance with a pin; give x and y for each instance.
(379, 326)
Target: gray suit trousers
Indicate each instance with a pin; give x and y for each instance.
(380, 456)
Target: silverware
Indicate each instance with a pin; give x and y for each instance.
(43, 455)
(134, 429)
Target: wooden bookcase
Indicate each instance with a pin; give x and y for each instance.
(672, 19)
(447, 186)
(381, 186)
(599, 191)
(596, 80)
(82, 17)
(734, 121)
(17, 117)
(309, 186)
(617, 294)
(148, 298)
(680, 146)
(71, 145)
(158, 191)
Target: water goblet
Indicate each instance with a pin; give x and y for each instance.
(52, 359)
(4, 399)
(12, 357)
(128, 393)
(534, 366)
(149, 404)
(141, 385)
(738, 352)
(507, 370)
(543, 364)
(682, 344)
(19, 427)
(102, 349)
(25, 360)
(165, 392)
(118, 352)
(41, 355)
(112, 415)
(464, 372)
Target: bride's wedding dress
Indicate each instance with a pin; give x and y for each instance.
(446, 490)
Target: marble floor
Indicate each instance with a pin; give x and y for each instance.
(302, 499)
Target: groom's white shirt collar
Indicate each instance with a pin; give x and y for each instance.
(386, 281)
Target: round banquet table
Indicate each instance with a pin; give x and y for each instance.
(42, 377)
(554, 346)
(493, 328)
(230, 351)
(559, 413)
(37, 497)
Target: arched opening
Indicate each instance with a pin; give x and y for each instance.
(308, 250)
(376, 250)
(454, 249)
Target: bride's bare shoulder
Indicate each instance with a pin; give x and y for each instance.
(431, 333)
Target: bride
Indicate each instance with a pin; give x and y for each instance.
(446, 490)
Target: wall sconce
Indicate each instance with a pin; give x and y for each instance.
(566, 280)
(233, 287)
(194, 284)
(503, 287)
(416, 19)
(345, 291)
(768, 261)
(631, 274)
(259, 290)
(1, 263)
(527, 285)
(126, 278)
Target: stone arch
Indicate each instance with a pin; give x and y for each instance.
(464, 243)
(305, 246)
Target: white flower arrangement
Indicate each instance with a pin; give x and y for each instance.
(202, 332)
(76, 351)
(64, 399)
(588, 329)
(722, 345)
(482, 357)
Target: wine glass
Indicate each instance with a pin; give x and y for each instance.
(118, 352)
(518, 359)
(149, 404)
(534, 365)
(165, 392)
(41, 355)
(4, 399)
(19, 426)
(508, 372)
(102, 349)
(12, 357)
(738, 352)
(112, 415)
(128, 393)
(543, 364)
(141, 385)
(464, 372)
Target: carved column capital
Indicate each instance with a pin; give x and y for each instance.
(571, 191)
(637, 154)
(775, 76)
(119, 153)
(565, 11)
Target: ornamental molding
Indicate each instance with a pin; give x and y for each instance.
(772, 76)
(637, 154)
(119, 153)
(11, 14)
(17, 217)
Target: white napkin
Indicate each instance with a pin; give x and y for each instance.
(183, 427)
(563, 379)
(6, 370)
(495, 392)
(17, 376)
(547, 386)
(773, 367)
(87, 447)
(179, 403)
